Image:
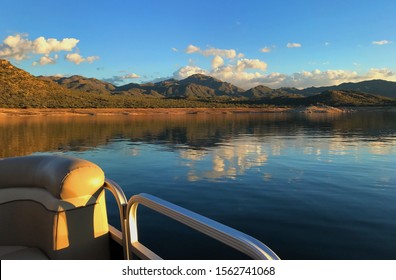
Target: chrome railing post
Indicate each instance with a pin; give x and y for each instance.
(121, 200)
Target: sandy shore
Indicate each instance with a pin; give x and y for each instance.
(132, 111)
(161, 111)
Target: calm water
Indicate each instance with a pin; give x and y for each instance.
(312, 187)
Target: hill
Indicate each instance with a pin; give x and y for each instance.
(17, 81)
(81, 83)
(258, 92)
(20, 89)
(220, 88)
(263, 92)
(376, 87)
(335, 98)
(197, 86)
(344, 98)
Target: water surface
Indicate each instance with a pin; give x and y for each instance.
(308, 186)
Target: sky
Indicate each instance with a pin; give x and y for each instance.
(275, 43)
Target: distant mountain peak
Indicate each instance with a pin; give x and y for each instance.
(220, 87)
(201, 77)
(262, 87)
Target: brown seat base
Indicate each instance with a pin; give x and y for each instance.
(21, 253)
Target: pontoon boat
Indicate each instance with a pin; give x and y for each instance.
(54, 207)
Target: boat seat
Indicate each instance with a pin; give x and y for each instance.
(54, 207)
(21, 253)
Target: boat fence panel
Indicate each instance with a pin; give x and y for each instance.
(229, 236)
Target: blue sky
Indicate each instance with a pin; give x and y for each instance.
(275, 43)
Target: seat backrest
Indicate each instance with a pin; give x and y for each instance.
(54, 203)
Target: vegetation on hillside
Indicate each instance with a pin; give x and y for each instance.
(19, 89)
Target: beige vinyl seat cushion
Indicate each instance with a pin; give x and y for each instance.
(52, 207)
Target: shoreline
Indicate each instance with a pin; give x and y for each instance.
(5, 112)
(133, 111)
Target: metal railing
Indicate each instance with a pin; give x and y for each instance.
(129, 228)
(121, 200)
(229, 236)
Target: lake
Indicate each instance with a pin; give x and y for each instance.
(311, 186)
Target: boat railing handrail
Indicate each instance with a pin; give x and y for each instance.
(229, 236)
(122, 203)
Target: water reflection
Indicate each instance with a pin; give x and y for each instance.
(194, 135)
(228, 160)
(211, 147)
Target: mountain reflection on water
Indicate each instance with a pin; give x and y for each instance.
(311, 186)
(25, 135)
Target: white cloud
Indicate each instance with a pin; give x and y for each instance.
(234, 73)
(47, 46)
(245, 63)
(76, 58)
(44, 60)
(293, 45)
(16, 47)
(192, 49)
(247, 73)
(187, 71)
(91, 59)
(303, 79)
(224, 53)
(131, 76)
(231, 53)
(174, 49)
(380, 73)
(382, 42)
(19, 47)
(265, 50)
(227, 65)
(239, 78)
(217, 62)
(322, 78)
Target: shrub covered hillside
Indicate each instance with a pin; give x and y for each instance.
(19, 89)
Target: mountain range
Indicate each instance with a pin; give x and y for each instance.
(196, 86)
(203, 86)
(17, 82)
